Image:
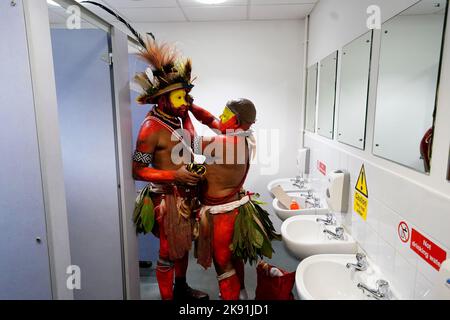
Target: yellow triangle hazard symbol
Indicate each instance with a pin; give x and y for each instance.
(361, 185)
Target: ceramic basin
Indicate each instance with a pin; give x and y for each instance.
(303, 236)
(326, 277)
(306, 209)
(287, 184)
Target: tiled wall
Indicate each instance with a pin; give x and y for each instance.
(392, 199)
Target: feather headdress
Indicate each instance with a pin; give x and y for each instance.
(168, 71)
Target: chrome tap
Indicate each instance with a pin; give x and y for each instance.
(312, 200)
(329, 220)
(361, 263)
(339, 235)
(380, 293)
(298, 182)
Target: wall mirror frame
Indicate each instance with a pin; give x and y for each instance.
(409, 69)
(327, 95)
(311, 98)
(354, 91)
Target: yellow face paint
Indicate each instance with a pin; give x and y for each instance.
(226, 115)
(178, 98)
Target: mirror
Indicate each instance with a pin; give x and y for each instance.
(327, 96)
(448, 165)
(311, 94)
(410, 58)
(354, 87)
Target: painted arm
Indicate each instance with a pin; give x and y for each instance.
(146, 144)
(205, 117)
(143, 156)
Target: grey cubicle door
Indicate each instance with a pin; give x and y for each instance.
(24, 260)
(85, 106)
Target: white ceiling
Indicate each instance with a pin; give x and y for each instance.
(139, 11)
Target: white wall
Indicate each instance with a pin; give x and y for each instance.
(261, 61)
(396, 193)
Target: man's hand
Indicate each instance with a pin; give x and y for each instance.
(186, 177)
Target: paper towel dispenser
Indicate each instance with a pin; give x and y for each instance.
(337, 192)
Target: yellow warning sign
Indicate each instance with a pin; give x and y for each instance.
(361, 185)
(360, 204)
(361, 198)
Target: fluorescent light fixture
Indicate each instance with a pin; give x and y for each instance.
(211, 1)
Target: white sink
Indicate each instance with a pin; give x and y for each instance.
(287, 184)
(304, 237)
(306, 209)
(326, 277)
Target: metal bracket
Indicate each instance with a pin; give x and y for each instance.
(108, 58)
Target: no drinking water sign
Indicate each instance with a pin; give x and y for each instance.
(427, 249)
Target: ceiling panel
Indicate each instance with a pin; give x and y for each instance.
(215, 13)
(192, 10)
(283, 12)
(195, 3)
(142, 3)
(153, 14)
(280, 2)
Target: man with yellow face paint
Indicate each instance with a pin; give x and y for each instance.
(166, 206)
(233, 228)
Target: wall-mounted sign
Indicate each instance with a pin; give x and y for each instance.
(403, 231)
(361, 196)
(427, 249)
(322, 167)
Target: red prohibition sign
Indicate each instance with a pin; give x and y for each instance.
(403, 231)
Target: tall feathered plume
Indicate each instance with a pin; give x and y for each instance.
(159, 56)
(118, 17)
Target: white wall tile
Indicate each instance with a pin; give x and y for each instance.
(371, 245)
(388, 222)
(373, 214)
(422, 290)
(386, 258)
(405, 277)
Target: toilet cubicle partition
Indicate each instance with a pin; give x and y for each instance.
(70, 140)
(24, 254)
(91, 72)
(86, 119)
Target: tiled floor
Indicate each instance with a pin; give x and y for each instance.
(206, 280)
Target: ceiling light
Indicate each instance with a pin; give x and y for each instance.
(211, 1)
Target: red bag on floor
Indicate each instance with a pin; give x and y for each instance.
(273, 283)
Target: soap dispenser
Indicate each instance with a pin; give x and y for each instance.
(337, 192)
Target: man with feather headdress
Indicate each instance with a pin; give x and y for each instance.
(166, 205)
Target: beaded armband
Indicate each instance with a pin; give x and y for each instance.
(145, 158)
